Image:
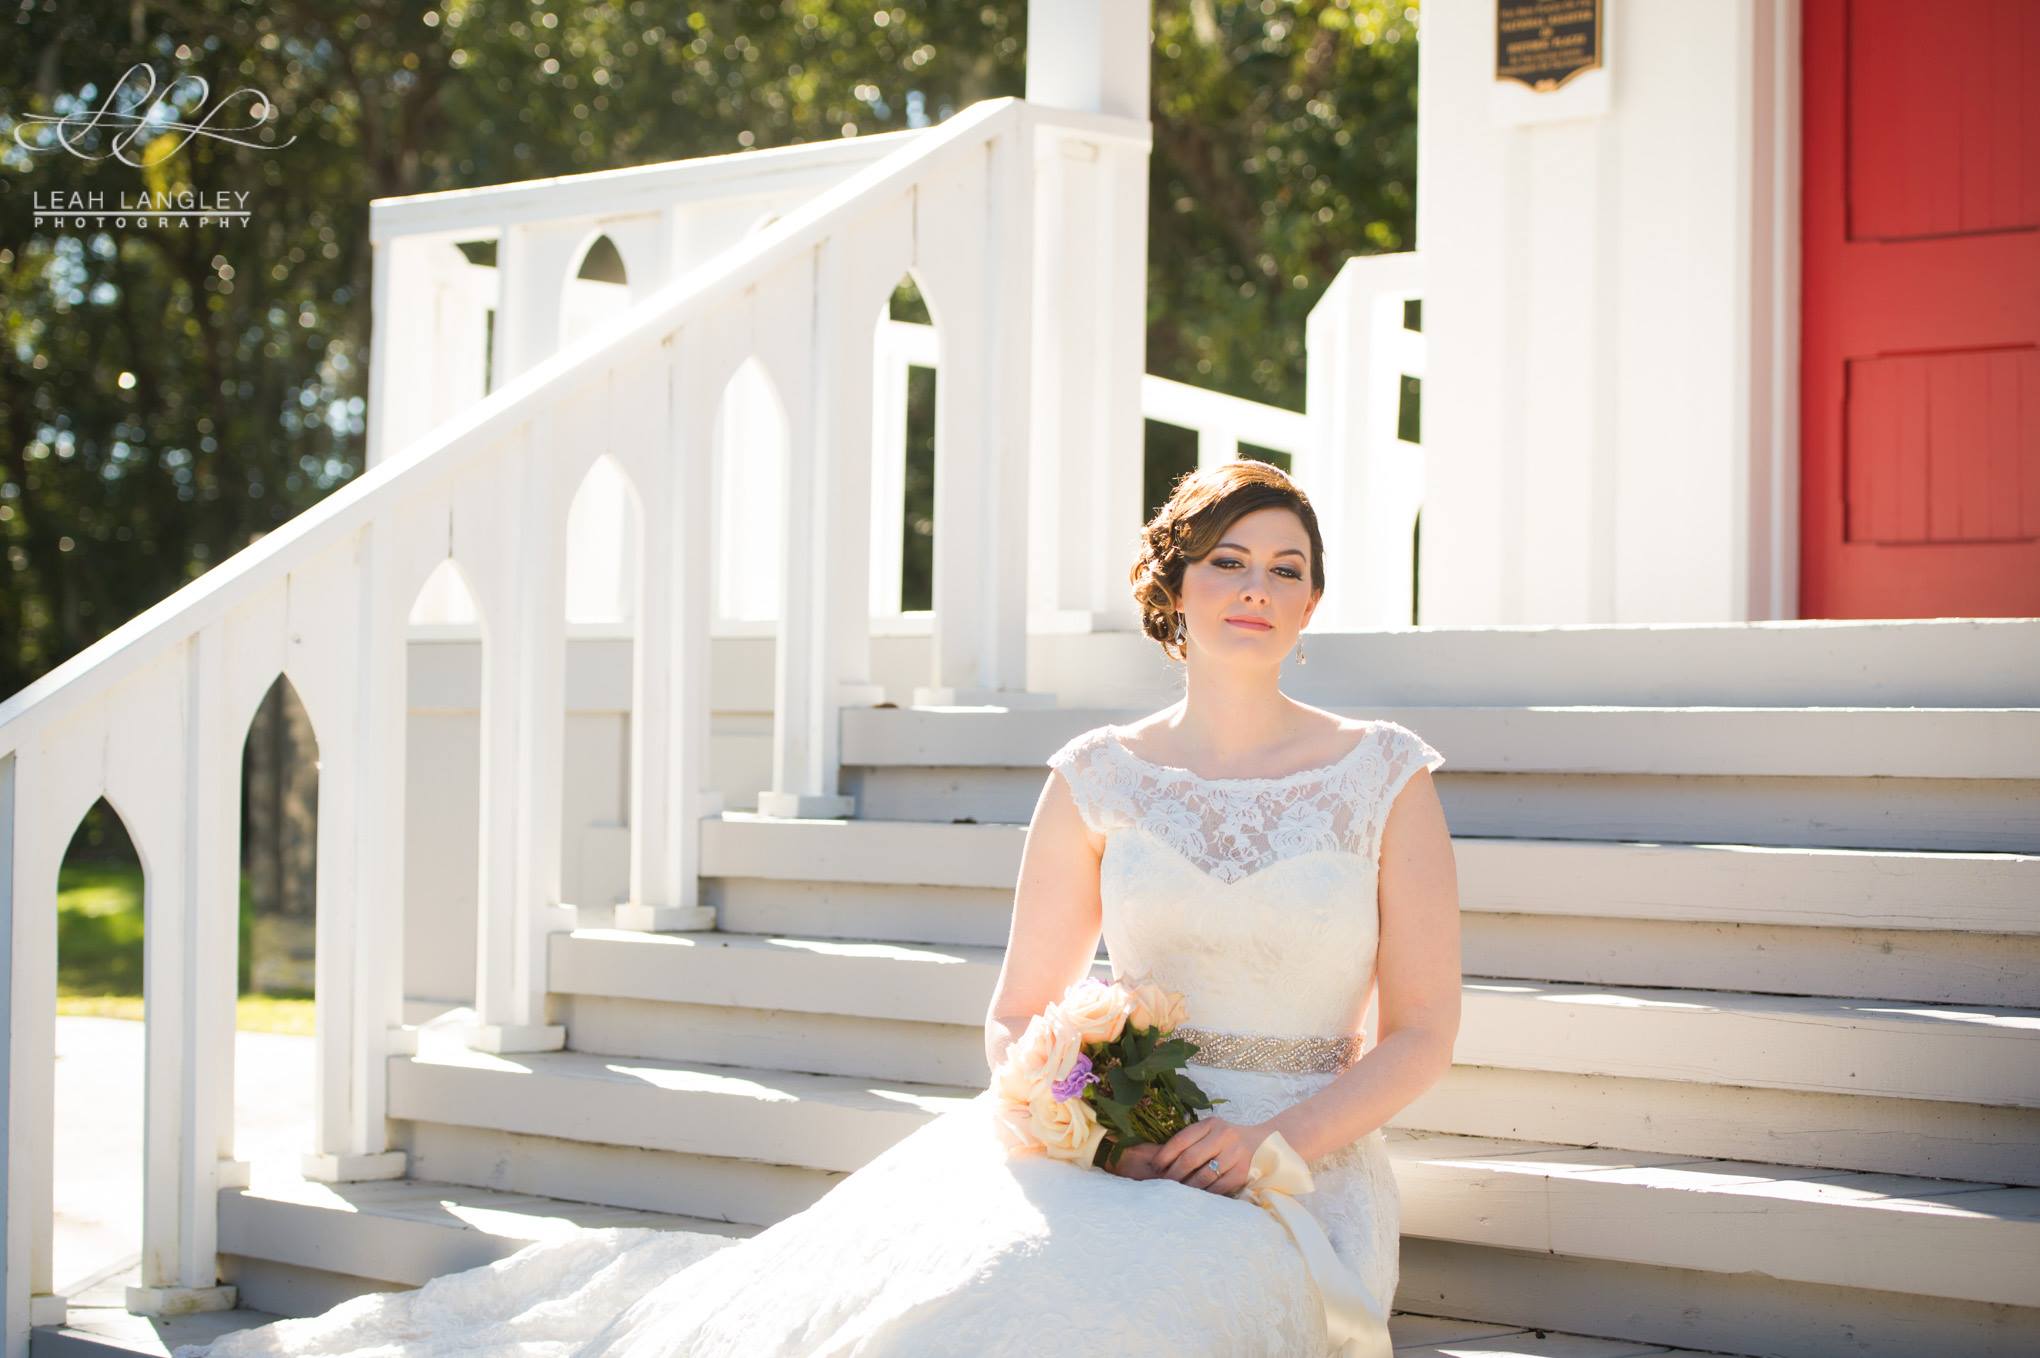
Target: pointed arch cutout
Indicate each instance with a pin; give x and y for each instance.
(751, 443)
(279, 839)
(605, 525)
(596, 289)
(104, 869)
(907, 357)
(445, 597)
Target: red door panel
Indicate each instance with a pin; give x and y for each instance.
(1920, 322)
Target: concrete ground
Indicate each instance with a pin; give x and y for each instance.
(98, 1189)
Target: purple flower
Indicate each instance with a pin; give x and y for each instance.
(1072, 1084)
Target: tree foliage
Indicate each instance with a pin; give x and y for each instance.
(166, 396)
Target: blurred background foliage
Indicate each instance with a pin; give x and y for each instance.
(168, 396)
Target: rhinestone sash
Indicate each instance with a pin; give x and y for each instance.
(1253, 1051)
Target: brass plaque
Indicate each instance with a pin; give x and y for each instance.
(1544, 43)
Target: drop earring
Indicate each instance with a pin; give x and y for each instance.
(1299, 652)
(1179, 628)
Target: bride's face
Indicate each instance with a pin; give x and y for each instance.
(1259, 569)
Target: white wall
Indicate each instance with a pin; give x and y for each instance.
(1603, 428)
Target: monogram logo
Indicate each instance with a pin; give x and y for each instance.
(131, 120)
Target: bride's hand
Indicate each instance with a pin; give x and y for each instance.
(1186, 1156)
(1137, 1161)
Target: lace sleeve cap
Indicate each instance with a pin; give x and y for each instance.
(1080, 760)
(1407, 752)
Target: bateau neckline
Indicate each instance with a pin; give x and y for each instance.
(1367, 734)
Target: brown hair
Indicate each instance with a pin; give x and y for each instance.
(1202, 506)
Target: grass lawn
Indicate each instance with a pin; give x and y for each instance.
(99, 952)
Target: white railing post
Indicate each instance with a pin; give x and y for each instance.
(826, 623)
(361, 921)
(523, 718)
(532, 261)
(427, 360)
(843, 357)
(192, 892)
(795, 317)
(1090, 309)
(979, 245)
(1366, 484)
(28, 901)
(658, 411)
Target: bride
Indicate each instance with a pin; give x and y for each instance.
(1267, 859)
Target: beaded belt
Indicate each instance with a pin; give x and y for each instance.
(1250, 1051)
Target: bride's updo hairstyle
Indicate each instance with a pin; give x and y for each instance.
(1201, 508)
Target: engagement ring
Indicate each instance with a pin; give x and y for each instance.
(1211, 1165)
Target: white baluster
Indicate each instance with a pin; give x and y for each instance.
(803, 778)
(1366, 483)
(1091, 307)
(523, 718)
(983, 264)
(42, 792)
(166, 773)
(329, 645)
(825, 629)
(669, 696)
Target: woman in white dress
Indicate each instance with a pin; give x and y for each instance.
(1267, 859)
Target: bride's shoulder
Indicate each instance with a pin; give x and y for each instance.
(1084, 746)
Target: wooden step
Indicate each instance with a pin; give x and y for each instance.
(110, 1332)
(409, 1231)
(1926, 1237)
(829, 1122)
(1814, 1044)
(1914, 778)
(116, 1334)
(1944, 1238)
(1788, 741)
(1756, 884)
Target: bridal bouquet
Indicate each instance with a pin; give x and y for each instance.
(1097, 1072)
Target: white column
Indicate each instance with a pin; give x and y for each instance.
(1090, 345)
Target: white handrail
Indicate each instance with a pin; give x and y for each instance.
(351, 507)
(1223, 421)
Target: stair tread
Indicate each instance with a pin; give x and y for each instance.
(1556, 1163)
(696, 1077)
(462, 1207)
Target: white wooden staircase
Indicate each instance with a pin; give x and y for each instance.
(1750, 1059)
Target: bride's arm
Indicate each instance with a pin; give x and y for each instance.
(1417, 970)
(1056, 918)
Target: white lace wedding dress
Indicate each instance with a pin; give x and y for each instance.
(1254, 897)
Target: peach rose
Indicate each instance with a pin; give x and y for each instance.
(1096, 1010)
(1041, 1055)
(1014, 1125)
(1066, 1128)
(1150, 1006)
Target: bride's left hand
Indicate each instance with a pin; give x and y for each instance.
(1184, 1156)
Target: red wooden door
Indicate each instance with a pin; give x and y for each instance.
(1920, 321)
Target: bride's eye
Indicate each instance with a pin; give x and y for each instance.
(1289, 571)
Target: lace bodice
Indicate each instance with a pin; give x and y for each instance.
(1254, 897)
